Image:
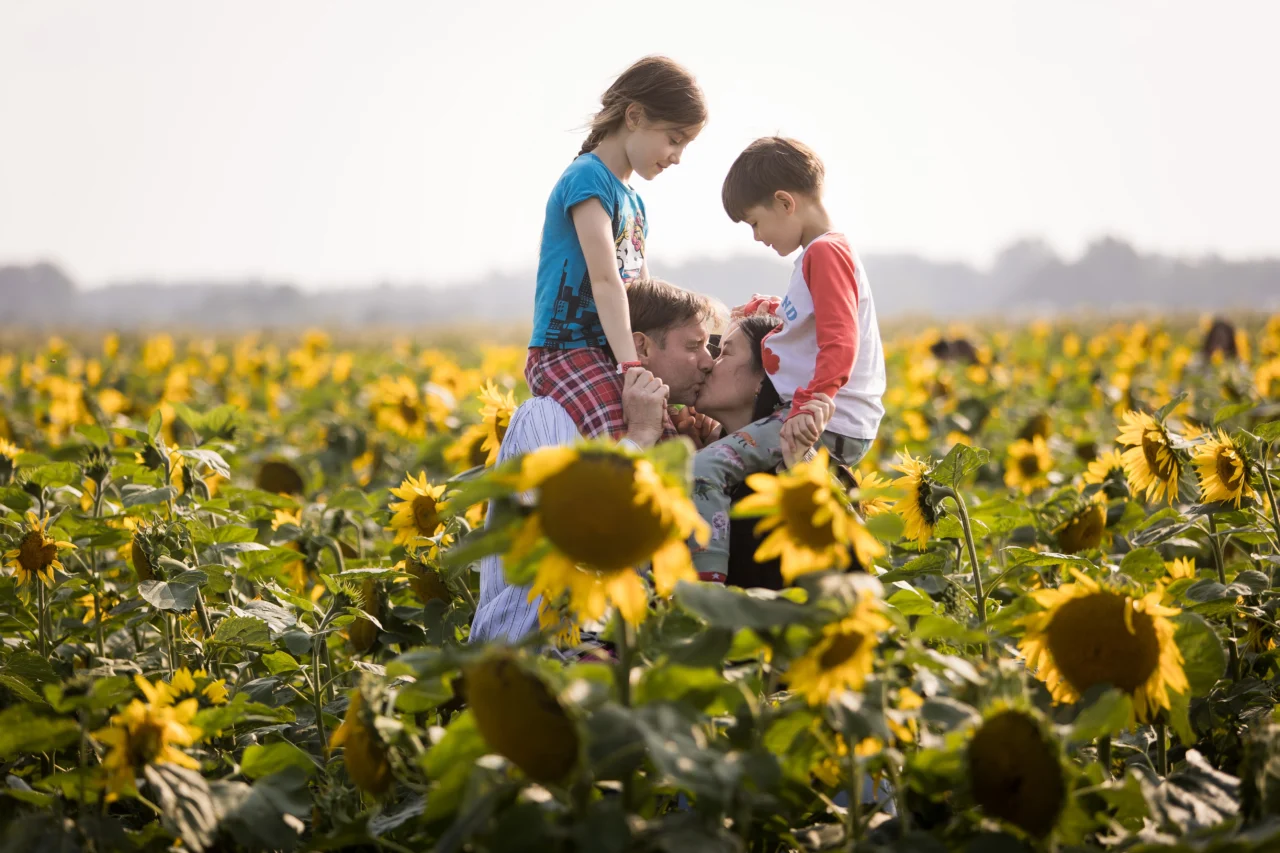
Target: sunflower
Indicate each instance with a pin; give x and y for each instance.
(1028, 464)
(558, 625)
(1015, 771)
(147, 733)
(812, 528)
(520, 718)
(635, 516)
(1182, 567)
(872, 504)
(185, 685)
(842, 658)
(417, 516)
(364, 755)
(1087, 635)
(1084, 530)
(1149, 463)
(496, 415)
(425, 581)
(363, 633)
(916, 505)
(37, 554)
(279, 477)
(1108, 466)
(470, 450)
(8, 460)
(1223, 472)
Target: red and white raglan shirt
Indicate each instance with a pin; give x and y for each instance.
(829, 340)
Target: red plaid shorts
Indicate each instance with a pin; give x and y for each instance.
(586, 382)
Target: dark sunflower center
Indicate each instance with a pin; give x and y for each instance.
(1156, 451)
(500, 428)
(408, 412)
(797, 505)
(425, 514)
(1084, 531)
(844, 646)
(1014, 773)
(478, 455)
(1029, 465)
(36, 553)
(924, 503)
(589, 513)
(1091, 644)
(146, 742)
(1230, 471)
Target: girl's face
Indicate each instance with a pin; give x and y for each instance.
(734, 380)
(654, 147)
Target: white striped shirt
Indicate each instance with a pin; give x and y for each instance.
(505, 612)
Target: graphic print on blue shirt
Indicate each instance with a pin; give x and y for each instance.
(565, 314)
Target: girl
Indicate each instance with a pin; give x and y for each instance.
(593, 242)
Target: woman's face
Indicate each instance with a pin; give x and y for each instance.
(734, 380)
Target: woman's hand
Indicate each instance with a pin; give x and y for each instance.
(644, 401)
(700, 429)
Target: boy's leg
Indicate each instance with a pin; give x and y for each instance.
(585, 382)
(844, 450)
(716, 469)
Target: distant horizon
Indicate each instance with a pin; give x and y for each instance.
(233, 279)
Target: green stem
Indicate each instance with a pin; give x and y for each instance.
(1162, 758)
(40, 609)
(626, 640)
(97, 581)
(904, 814)
(1104, 755)
(853, 816)
(973, 562)
(1215, 548)
(169, 642)
(1266, 484)
(316, 701)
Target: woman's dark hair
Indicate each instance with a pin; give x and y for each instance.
(757, 327)
(663, 89)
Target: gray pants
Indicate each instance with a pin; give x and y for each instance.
(720, 466)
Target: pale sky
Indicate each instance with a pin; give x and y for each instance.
(331, 143)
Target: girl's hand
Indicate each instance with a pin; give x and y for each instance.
(644, 400)
(799, 434)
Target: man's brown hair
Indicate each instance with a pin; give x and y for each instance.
(658, 306)
(770, 164)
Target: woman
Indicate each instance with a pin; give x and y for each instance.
(736, 393)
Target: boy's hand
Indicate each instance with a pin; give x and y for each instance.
(758, 304)
(821, 407)
(701, 429)
(799, 434)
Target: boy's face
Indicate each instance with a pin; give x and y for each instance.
(775, 224)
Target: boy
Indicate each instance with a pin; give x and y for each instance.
(828, 343)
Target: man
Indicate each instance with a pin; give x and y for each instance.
(670, 330)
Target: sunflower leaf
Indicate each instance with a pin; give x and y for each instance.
(961, 461)
(1268, 432)
(1107, 714)
(725, 607)
(1226, 413)
(1163, 411)
(1203, 658)
(928, 563)
(162, 595)
(25, 729)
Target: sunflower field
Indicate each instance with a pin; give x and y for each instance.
(239, 576)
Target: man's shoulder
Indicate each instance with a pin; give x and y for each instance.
(537, 422)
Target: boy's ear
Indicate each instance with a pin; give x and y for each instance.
(644, 345)
(786, 200)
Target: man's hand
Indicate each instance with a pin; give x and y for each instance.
(644, 401)
(701, 429)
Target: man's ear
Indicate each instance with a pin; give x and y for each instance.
(644, 346)
(786, 201)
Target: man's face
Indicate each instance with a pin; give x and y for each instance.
(775, 224)
(683, 363)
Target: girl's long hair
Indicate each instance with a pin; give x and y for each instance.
(663, 89)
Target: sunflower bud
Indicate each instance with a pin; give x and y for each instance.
(363, 633)
(1015, 773)
(365, 756)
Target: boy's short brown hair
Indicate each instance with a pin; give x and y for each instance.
(770, 164)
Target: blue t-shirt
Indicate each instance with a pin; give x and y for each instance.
(564, 310)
